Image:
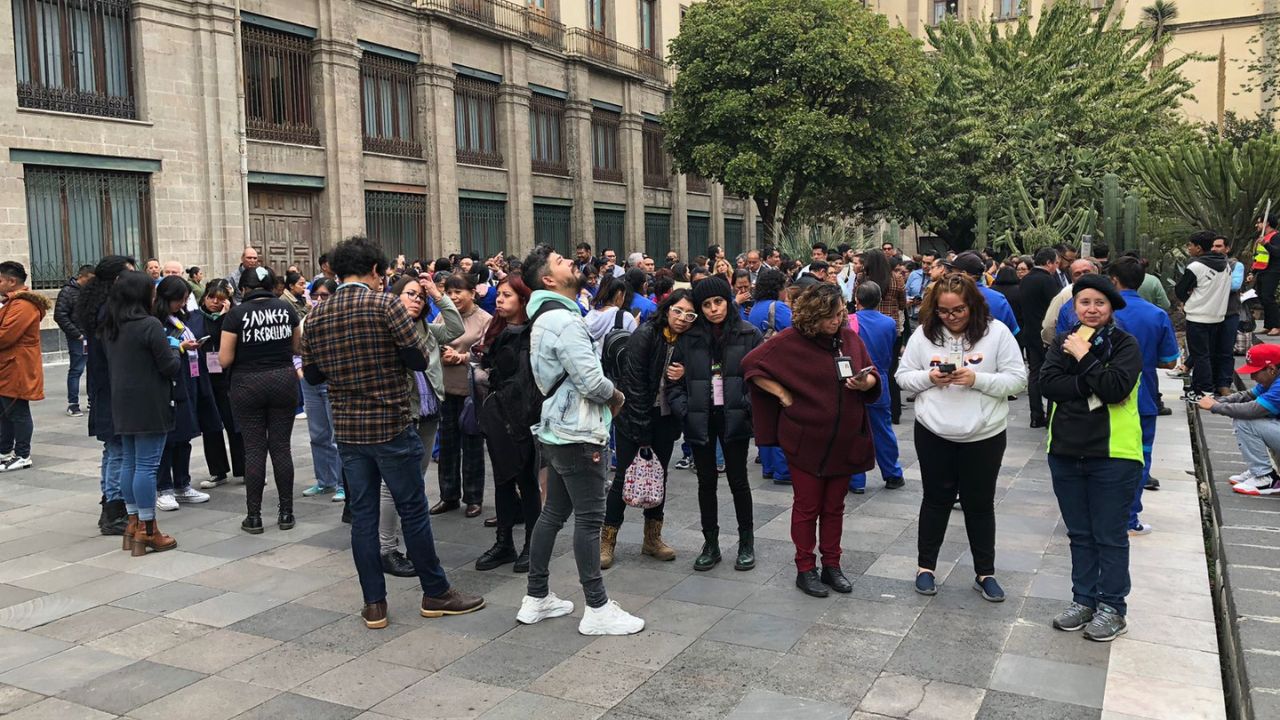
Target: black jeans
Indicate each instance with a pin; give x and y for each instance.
(1035, 358)
(1202, 339)
(175, 467)
(1266, 286)
(527, 502)
(16, 427)
(265, 404)
(1224, 351)
(735, 468)
(665, 431)
(575, 484)
(461, 463)
(215, 450)
(969, 468)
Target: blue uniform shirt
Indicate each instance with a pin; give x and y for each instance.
(1268, 397)
(759, 316)
(1153, 330)
(643, 305)
(879, 333)
(1000, 308)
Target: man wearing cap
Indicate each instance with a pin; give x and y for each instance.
(971, 264)
(1255, 418)
(1204, 289)
(1153, 330)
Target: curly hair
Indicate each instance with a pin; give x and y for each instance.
(814, 306)
(964, 286)
(769, 284)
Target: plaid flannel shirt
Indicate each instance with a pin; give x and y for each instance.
(354, 338)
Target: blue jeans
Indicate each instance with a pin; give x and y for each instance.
(774, 462)
(1094, 497)
(398, 463)
(886, 444)
(324, 450)
(112, 459)
(16, 427)
(75, 352)
(138, 466)
(1148, 442)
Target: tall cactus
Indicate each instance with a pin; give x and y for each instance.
(1132, 219)
(982, 230)
(1111, 209)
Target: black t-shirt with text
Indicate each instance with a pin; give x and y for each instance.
(264, 333)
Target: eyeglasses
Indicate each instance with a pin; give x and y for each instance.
(321, 295)
(953, 312)
(686, 316)
(412, 293)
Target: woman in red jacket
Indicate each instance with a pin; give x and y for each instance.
(808, 374)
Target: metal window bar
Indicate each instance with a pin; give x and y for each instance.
(75, 217)
(277, 82)
(74, 56)
(387, 106)
(657, 235)
(552, 226)
(611, 229)
(732, 237)
(605, 164)
(655, 156)
(695, 183)
(398, 221)
(546, 135)
(505, 17)
(483, 225)
(595, 47)
(476, 121)
(699, 232)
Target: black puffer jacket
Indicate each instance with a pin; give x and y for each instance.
(65, 307)
(643, 367)
(691, 397)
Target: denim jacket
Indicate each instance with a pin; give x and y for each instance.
(559, 345)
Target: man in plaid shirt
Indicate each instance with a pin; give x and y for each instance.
(364, 344)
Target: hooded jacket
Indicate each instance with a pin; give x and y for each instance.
(21, 371)
(559, 345)
(65, 307)
(1205, 288)
(1095, 400)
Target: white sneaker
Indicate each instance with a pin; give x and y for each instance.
(191, 495)
(15, 462)
(6, 458)
(610, 619)
(1245, 476)
(534, 609)
(165, 501)
(1255, 482)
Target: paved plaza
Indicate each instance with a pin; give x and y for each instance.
(237, 626)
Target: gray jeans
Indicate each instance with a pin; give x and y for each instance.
(575, 483)
(1256, 438)
(388, 518)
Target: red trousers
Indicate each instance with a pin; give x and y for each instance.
(816, 498)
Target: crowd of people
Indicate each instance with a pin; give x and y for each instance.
(579, 378)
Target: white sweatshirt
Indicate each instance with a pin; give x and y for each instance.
(955, 412)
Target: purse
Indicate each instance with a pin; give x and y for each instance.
(469, 418)
(643, 486)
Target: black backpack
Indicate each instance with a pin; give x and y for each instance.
(614, 346)
(516, 392)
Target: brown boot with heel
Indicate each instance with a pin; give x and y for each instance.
(148, 535)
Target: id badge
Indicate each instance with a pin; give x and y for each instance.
(211, 361)
(844, 368)
(1095, 402)
(717, 390)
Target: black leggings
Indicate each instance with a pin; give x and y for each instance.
(215, 450)
(665, 431)
(527, 502)
(265, 404)
(970, 468)
(735, 466)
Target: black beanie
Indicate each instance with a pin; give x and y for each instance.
(709, 287)
(1102, 285)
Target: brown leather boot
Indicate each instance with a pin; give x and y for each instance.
(148, 535)
(608, 539)
(653, 544)
(129, 530)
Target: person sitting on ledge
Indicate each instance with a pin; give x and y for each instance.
(1255, 418)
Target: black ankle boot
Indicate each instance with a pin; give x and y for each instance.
(746, 550)
(286, 521)
(102, 515)
(833, 577)
(522, 562)
(117, 518)
(810, 584)
(710, 555)
(502, 552)
(252, 524)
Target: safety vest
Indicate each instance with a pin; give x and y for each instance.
(1262, 255)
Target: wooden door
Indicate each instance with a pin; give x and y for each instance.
(282, 227)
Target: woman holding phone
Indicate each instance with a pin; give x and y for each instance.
(962, 368)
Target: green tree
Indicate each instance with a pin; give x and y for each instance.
(780, 99)
(1158, 16)
(1059, 104)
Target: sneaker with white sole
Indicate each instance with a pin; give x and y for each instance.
(15, 462)
(317, 490)
(6, 457)
(609, 619)
(213, 482)
(1271, 486)
(166, 501)
(190, 495)
(1254, 481)
(340, 494)
(1245, 476)
(533, 609)
(1141, 529)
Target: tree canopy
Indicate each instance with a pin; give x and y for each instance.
(1061, 103)
(778, 99)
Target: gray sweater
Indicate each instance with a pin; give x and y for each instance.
(1241, 406)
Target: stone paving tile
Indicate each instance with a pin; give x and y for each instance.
(285, 667)
(1050, 680)
(129, 687)
(148, 638)
(610, 682)
(13, 595)
(67, 669)
(41, 610)
(504, 664)
(167, 598)
(215, 651)
(213, 698)
(442, 696)
(226, 609)
(1156, 698)
(15, 698)
(765, 705)
(92, 624)
(915, 698)
(361, 683)
(286, 622)
(288, 705)
(56, 709)
(682, 618)
(937, 660)
(770, 632)
(1009, 706)
(426, 648)
(523, 705)
(710, 591)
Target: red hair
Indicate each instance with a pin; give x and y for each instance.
(499, 323)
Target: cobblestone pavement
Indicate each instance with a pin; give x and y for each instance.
(237, 626)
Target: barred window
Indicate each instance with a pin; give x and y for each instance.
(74, 56)
(74, 217)
(546, 135)
(699, 231)
(611, 229)
(476, 121)
(483, 225)
(732, 237)
(696, 183)
(657, 234)
(398, 221)
(655, 156)
(277, 86)
(604, 145)
(386, 102)
(551, 226)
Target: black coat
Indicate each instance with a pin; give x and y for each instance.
(643, 367)
(98, 381)
(143, 367)
(510, 443)
(64, 308)
(207, 417)
(1036, 291)
(690, 398)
